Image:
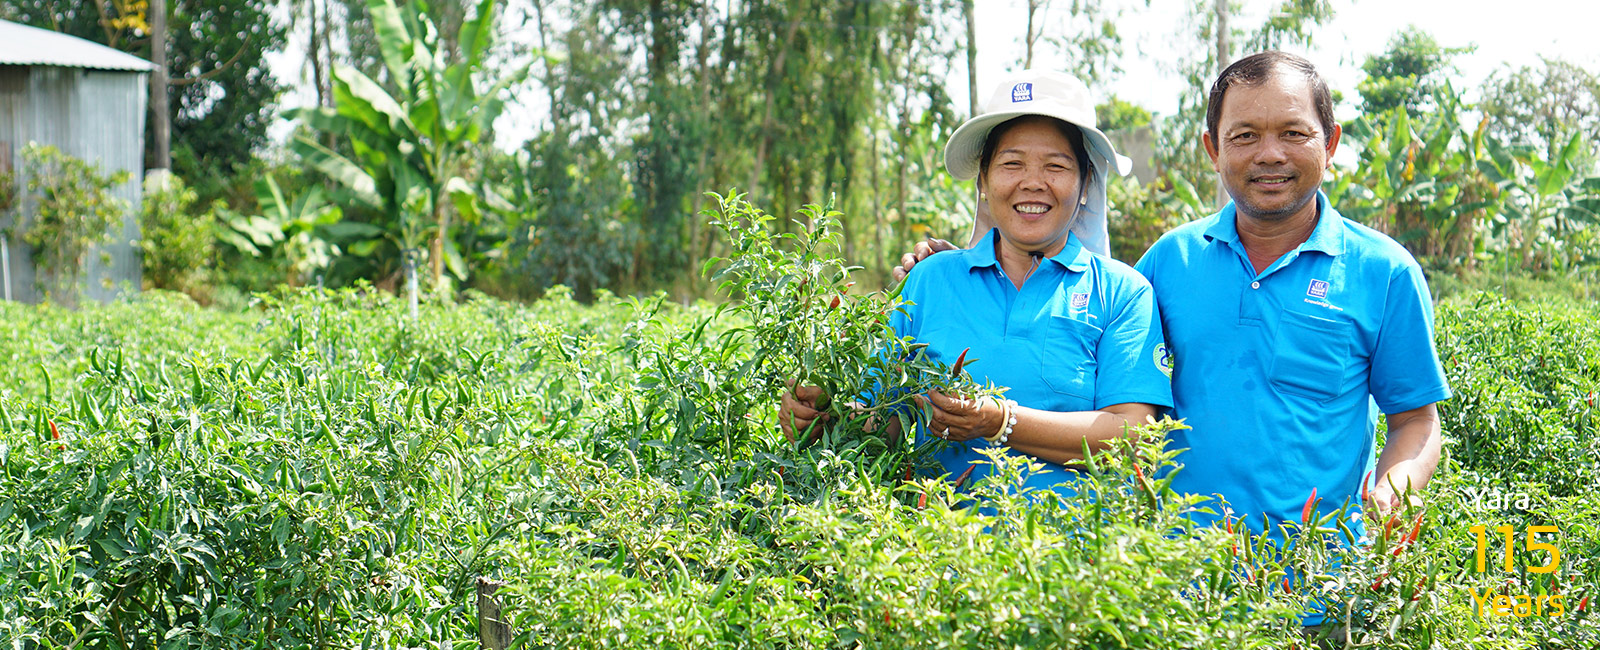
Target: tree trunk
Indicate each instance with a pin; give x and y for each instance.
(1223, 60)
(768, 120)
(160, 111)
(972, 58)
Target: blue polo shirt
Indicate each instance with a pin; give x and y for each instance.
(1081, 334)
(1281, 374)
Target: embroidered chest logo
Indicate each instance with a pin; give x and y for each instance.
(1319, 289)
(1080, 300)
(1022, 92)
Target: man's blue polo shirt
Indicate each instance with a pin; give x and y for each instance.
(1281, 374)
(1081, 334)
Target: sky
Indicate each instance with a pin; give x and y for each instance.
(1502, 37)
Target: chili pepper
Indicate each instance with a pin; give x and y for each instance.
(907, 476)
(1583, 603)
(55, 434)
(886, 617)
(1286, 589)
(1416, 531)
(1366, 492)
(1311, 504)
(962, 480)
(1379, 582)
(834, 304)
(955, 371)
(1138, 471)
(1233, 542)
(922, 501)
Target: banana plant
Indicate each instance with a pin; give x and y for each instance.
(412, 139)
(1548, 202)
(1418, 178)
(305, 230)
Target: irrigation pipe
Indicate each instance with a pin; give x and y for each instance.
(5, 266)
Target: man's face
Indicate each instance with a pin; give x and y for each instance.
(1269, 148)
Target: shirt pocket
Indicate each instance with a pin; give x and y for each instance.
(1310, 355)
(1067, 357)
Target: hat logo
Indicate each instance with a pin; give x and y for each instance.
(1022, 92)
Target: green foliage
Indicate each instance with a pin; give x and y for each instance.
(1407, 74)
(1544, 106)
(298, 234)
(1525, 377)
(69, 210)
(1550, 208)
(1116, 115)
(178, 244)
(1419, 180)
(412, 140)
(224, 95)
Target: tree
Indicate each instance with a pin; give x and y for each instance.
(1178, 151)
(221, 93)
(1407, 74)
(413, 141)
(1544, 106)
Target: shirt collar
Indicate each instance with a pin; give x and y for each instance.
(1073, 255)
(1327, 237)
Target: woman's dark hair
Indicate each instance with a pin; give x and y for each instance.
(1073, 134)
(1259, 67)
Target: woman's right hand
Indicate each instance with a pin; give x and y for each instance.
(799, 409)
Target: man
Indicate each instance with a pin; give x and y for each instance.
(1289, 326)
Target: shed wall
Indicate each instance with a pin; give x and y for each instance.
(95, 115)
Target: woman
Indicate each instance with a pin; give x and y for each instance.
(1071, 333)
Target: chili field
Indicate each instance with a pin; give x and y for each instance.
(325, 471)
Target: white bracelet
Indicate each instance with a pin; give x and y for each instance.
(1008, 421)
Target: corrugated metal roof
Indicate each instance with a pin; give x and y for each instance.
(24, 45)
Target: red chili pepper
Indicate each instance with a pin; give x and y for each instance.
(886, 617)
(1379, 582)
(955, 371)
(834, 304)
(1583, 603)
(1138, 471)
(1233, 542)
(1366, 492)
(1286, 586)
(1311, 504)
(907, 477)
(922, 501)
(55, 434)
(962, 480)
(1416, 531)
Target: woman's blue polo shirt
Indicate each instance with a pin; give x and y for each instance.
(1081, 334)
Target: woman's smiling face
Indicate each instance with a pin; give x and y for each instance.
(1033, 184)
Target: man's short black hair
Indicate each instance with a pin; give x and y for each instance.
(1257, 68)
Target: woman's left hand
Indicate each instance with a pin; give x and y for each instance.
(960, 419)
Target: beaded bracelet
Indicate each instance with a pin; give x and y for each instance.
(1008, 420)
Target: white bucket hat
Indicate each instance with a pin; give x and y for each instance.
(1057, 95)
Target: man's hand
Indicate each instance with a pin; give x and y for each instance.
(798, 410)
(918, 253)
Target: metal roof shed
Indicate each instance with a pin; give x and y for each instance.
(89, 101)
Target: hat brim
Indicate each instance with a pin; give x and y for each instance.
(961, 153)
